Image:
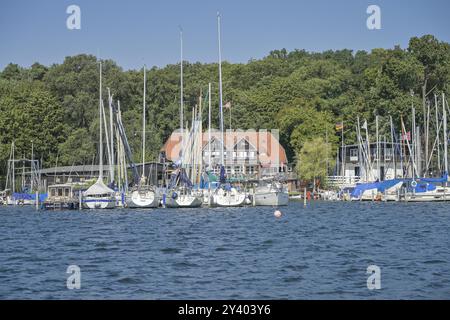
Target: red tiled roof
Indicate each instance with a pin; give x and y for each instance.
(266, 144)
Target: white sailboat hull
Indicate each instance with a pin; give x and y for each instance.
(232, 198)
(99, 202)
(143, 199)
(440, 194)
(184, 201)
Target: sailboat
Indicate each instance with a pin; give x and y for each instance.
(30, 186)
(180, 193)
(225, 195)
(143, 195)
(99, 196)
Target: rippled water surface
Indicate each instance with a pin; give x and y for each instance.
(318, 252)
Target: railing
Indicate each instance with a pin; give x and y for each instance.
(342, 181)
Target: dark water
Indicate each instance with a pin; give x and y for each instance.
(321, 252)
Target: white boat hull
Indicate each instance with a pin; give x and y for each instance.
(143, 199)
(271, 199)
(231, 198)
(184, 201)
(99, 202)
(440, 194)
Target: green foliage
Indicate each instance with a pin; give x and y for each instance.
(78, 149)
(314, 159)
(30, 114)
(301, 93)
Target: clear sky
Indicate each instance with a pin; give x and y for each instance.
(135, 32)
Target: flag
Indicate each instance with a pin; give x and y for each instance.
(406, 136)
(364, 126)
(227, 105)
(339, 126)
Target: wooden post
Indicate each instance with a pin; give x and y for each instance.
(37, 200)
(80, 196)
(253, 198)
(304, 197)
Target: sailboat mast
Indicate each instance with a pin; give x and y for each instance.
(377, 149)
(444, 114)
(393, 149)
(209, 125)
(220, 90)
(111, 130)
(369, 153)
(32, 167)
(100, 175)
(13, 176)
(437, 133)
(143, 124)
(414, 148)
(181, 87)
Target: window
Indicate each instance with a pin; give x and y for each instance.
(60, 192)
(66, 192)
(388, 154)
(353, 154)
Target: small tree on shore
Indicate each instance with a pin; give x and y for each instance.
(313, 161)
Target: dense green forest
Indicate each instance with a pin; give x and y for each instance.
(300, 93)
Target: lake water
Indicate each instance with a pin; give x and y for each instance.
(318, 252)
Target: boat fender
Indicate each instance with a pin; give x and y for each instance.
(174, 195)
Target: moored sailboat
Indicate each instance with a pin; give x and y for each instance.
(99, 196)
(143, 195)
(224, 195)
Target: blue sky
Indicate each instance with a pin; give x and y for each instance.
(135, 32)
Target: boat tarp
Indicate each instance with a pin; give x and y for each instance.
(223, 175)
(28, 196)
(379, 186)
(442, 179)
(179, 178)
(98, 188)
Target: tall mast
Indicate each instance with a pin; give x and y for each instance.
(32, 166)
(358, 134)
(369, 153)
(111, 148)
(413, 138)
(437, 133)
(13, 177)
(143, 124)
(377, 149)
(427, 136)
(209, 125)
(181, 88)
(220, 91)
(393, 147)
(444, 113)
(100, 175)
(343, 153)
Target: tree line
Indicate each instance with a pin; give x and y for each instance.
(304, 94)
